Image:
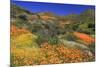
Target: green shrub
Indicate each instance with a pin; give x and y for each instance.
(53, 40)
(41, 39)
(70, 37)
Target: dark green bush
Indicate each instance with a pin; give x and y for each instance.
(23, 17)
(41, 39)
(53, 40)
(70, 37)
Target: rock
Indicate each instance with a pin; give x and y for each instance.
(73, 44)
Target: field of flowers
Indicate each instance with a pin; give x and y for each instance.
(25, 51)
(48, 54)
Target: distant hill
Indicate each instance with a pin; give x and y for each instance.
(47, 21)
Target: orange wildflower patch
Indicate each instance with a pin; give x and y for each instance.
(48, 54)
(16, 31)
(84, 37)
